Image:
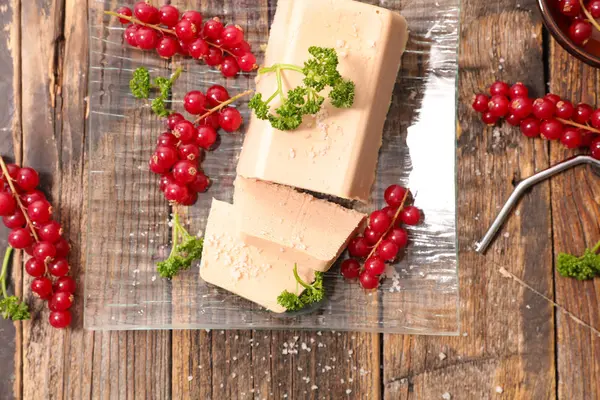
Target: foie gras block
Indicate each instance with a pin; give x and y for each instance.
(336, 151)
(302, 228)
(250, 272)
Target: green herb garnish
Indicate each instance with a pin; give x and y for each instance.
(186, 248)
(141, 86)
(320, 72)
(585, 267)
(11, 307)
(311, 294)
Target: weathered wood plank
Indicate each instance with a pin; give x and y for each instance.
(575, 215)
(508, 332)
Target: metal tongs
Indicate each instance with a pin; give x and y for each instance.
(483, 244)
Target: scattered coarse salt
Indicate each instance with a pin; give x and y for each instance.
(446, 396)
(190, 378)
(499, 389)
(371, 43)
(342, 54)
(442, 356)
(348, 391)
(350, 352)
(314, 387)
(506, 234)
(340, 43)
(292, 153)
(153, 278)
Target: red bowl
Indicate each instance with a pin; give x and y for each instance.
(558, 24)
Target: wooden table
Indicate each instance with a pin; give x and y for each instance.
(514, 344)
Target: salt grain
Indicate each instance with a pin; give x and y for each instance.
(442, 356)
(446, 396)
(190, 378)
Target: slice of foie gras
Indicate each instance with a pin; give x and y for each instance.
(336, 151)
(258, 275)
(277, 218)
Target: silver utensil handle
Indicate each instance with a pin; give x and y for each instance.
(483, 244)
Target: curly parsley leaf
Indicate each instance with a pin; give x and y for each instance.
(582, 268)
(313, 293)
(140, 87)
(11, 307)
(140, 83)
(186, 249)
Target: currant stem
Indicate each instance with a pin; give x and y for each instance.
(18, 198)
(158, 28)
(4, 270)
(589, 16)
(398, 211)
(223, 105)
(586, 127)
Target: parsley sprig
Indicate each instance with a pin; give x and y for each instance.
(186, 248)
(11, 307)
(320, 71)
(141, 86)
(312, 293)
(585, 267)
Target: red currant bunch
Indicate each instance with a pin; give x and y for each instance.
(581, 21)
(171, 32)
(551, 117)
(382, 239)
(26, 211)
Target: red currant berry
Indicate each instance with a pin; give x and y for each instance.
(29, 250)
(198, 48)
(185, 171)
(595, 119)
(13, 172)
(375, 266)
(372, 236)
(167, 47)
(44, 251)
(27, 179)
(499, 88)
(394, 195)
(167, 139)
(60, 319)
(398, 236)
(124, 11)
(155, 167)
(176, 192)
(480, 103)
(173, 119)
(146, 38)
(213, 29)
(390, 211)
(8, 205)
(594, 8)
(183, 48)
(184, 131)
(165, 157)
(583, 112)
(42, 287)
(551, 129)
(194, 17)
(35, 267)
(230, 119)
(241, 49)
(379, 221)
(571, 138)
(530, 127)
(570, 8)
(194, 102)
(200, 184)
(512, 119)
(65, 284)
(388, 250)
(191, 199)
(554, 98)
(40, 211)
(359, 247)
(231, 36)
(518, 90)
(410, 215)
(214, 56)
(586, 138)
(216, 95)
(595, 148)
(543, 108)
(189, 152)
(129, 35)
(580, 32)
(206, 136)
(186, 30)
(564, 109)
(229, 67)
(20, 238)
(50, 232)
(498, 106)
(16, 220)
(247, 62)
(521, 107)
(489, 119)
(61, 301)
(211, 120)
(62, 248)
(350, 269)
(32, 197)
(165, 180)
(368, 281)
(169, 15)
(146, 13)
(59, 267)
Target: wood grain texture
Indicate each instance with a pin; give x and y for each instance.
(507, 338)
(576, 215)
